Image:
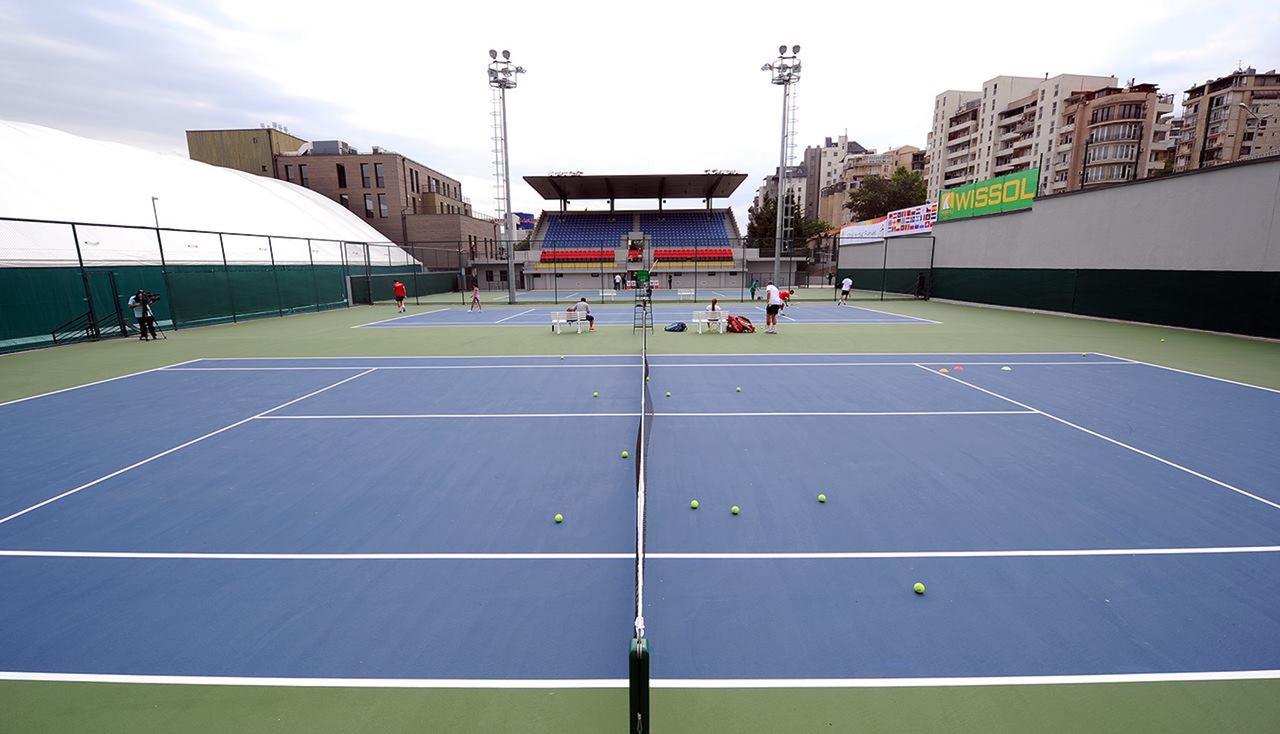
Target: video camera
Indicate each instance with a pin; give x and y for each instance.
(146, 298)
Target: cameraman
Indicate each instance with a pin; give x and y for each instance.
(141, 302)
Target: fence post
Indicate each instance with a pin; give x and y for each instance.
(226, 273)
(884, 266)
(315, 287)
(271, 250)
(84, 281)
(164, 273)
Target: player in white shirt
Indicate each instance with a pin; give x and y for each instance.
(845, 285)
(773, 304)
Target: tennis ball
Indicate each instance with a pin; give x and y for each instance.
(1162, 341)
(559, 517)
(735, 510)
(668, 393)
(562, 356)
(595, 394)
(1083, 354)
(693, 505)
(944, 370)
(626, 454)
(919, 588)
(739, 389)
(822, 498)
(1006, 368)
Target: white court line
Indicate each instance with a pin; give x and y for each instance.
(395, 416)
(150, 459)
(667, 556)
(382, 368)
(408, 315)
(876, 310)
(1188, 372)
(686, 683)
(1108, 439)
(672, 414)
(599, 322)
(666, 355)
(512, 316)
(97, 382)
(679, 365)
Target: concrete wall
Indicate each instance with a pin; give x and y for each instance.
(1225, 219)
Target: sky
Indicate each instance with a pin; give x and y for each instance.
(657, 87)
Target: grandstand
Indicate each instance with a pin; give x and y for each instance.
(583, 250)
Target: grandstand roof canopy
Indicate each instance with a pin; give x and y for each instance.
(644, 186)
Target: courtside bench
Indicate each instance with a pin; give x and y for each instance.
(685, 293)
(564, 318)
(608, 295)
(713, 320)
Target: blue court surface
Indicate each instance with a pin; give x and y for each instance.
(622, 314)
(1074, 517)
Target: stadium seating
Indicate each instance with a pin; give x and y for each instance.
(687, 226)
(566, 255)
(579, 230)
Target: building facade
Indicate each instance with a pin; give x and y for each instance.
(823, 164)
(1231, 118)
(251, 150)
(855, 168)
(1009, 125)
(1111, 135)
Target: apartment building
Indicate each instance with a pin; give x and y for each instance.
(855, 169)
(401, 198)
(1009, 125)
(1111, 135)
(823, 164)
(1230, 118)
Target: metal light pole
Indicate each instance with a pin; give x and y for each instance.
(502, 76)
(786, 71)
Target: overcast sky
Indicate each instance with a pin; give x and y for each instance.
(652, 87)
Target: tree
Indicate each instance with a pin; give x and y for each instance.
(877, 196)
(762, 226)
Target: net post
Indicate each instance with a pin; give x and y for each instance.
(638, 668)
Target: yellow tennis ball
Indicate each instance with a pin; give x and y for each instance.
(559, 517)
(735, 510)
(693, 505)
(626, 454)
(822, 498)
(918, 588)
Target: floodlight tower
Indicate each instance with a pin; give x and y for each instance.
(502, 76)
(785, 71)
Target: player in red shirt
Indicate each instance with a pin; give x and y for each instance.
(398, 288)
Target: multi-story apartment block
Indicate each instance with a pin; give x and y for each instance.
(401, 198)
(855, 169)
(823, 164)
(1111, 135)
(1230, 118)
(1010, 125)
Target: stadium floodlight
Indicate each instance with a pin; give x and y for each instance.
(502, 76)
(785, 72)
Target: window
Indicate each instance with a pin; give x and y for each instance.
(368, 205)
(364, 175)
(288, 173)
(382, 205)
(264, 169)
(377, 172)
(488, 276)
(342, 176)
(302, 174)
(255, 140)
(344, 200)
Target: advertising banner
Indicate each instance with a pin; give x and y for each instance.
(1006, 193)
(867, 230)
(912, 220)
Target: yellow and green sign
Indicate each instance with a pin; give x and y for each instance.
(1003, 194)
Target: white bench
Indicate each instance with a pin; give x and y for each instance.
(559, 318)
(608, 295)
(684, 293)
(714, 320)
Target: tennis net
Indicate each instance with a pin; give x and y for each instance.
(639, 657)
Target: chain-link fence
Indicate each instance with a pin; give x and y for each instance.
(67, 281)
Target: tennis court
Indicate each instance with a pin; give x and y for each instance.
(1075, 517)
(622, 314)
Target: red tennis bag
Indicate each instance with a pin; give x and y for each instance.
(740, 325)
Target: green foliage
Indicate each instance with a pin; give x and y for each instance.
(762, 226)
(877, 196)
